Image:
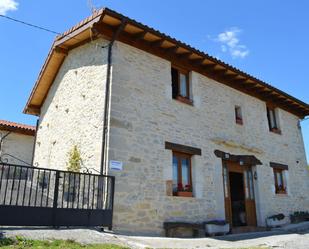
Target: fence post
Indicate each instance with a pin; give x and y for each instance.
(55, 203)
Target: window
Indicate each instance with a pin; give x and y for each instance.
(272, 120)
(181, 85)
(279, 176)
(279, 181)
(238, 115)
(182, 177)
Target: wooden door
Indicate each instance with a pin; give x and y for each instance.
(249, 197)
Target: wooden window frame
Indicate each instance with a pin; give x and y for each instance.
(181, 155)
(238, 119)
(278, 189)
(185, 99)
(276, 128)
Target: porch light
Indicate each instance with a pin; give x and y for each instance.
(241, 162)
(255, 175)
(227, 155)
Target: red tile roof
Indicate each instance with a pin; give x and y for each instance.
(17, 127)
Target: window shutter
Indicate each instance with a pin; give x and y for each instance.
(268, 117)
(174, 82)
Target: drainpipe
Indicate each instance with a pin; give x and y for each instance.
(103, 165)
(34, 144)
(1, 143)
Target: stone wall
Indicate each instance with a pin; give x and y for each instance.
(144, 116)
(72, 113)
(19, 146)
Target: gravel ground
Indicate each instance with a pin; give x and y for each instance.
(88, 236)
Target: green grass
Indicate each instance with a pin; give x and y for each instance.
(22, 243)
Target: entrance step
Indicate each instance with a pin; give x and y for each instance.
(294, 228)
(247, 229)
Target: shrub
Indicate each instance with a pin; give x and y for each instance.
(277, 217)
(299, 216)
(75, 160)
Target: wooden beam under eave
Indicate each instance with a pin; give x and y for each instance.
(230, 77)
(61, 50)
(170, 54)
(283, 103)
(157, 43)
(209, 67)
(264, 91)
(33, 109)
(292, 109)
(184, 56)
(171, 50)
(222, 73)
(239, 81)
(197, 62)
(140, 36)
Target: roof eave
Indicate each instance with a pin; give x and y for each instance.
(58, 47)
(105, 21)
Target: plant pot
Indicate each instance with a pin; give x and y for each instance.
(298, 219)
(213, 229)
(184, 194)
(275, 222)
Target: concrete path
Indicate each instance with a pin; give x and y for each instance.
(273, 239)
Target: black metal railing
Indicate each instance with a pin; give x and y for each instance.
(31, 187)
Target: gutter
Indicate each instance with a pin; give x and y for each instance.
(103, 166)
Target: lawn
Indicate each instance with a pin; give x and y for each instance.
(21, 243)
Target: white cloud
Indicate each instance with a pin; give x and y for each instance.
(7, 5)
(230, 43)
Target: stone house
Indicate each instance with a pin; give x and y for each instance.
(16, 143)
(192, 137)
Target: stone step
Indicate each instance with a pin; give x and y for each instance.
(294, 228)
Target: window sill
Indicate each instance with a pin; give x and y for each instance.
(183, 194)
(239, 122)
(275, 130)
(184, 100)
(281, 193)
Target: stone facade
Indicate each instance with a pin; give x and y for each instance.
(143, 116)
(17, 148)
(72, 113)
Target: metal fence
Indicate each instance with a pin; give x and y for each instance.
(47, 197)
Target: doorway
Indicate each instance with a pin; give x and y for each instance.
(237, 199)
(239, 194)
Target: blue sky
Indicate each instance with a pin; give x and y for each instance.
(268, 39)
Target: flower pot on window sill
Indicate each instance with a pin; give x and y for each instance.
(184, 194)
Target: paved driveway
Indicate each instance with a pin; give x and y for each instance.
(88, 236)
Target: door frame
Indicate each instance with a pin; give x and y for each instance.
(250, 204)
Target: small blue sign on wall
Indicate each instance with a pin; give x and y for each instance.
(115, 165)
